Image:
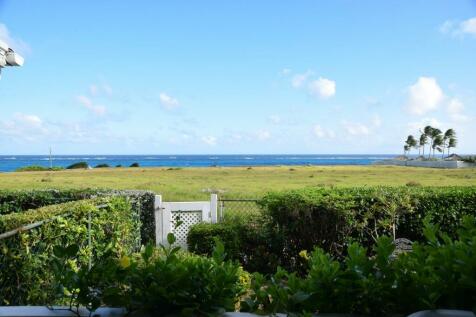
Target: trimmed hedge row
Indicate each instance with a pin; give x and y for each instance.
(26, 275)
(331, 219)
(142, 203)
(20, 200)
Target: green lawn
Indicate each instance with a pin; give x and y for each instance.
(193, 183)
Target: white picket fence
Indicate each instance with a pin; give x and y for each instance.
(189, 213)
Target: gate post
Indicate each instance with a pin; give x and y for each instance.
(213, 207)
(158, 215)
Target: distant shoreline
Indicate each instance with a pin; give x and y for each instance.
(9, 163)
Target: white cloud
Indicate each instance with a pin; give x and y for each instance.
(459, 28)
(285, 72)
(88, 104)
(322, 133)
(210, 140)
(23, 126)
(356, 128)
(299, 80)
(376, 121)
(15, 43)
(322, 87)
(263, 135)
(424, 96)
(455, 110)
(416, 126)
(168, 102)
(275, 119)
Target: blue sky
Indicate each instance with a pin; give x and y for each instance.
(162, 77)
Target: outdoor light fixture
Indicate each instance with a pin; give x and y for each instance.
(8, 57)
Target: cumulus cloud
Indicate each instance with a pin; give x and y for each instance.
(86, 102)
(455, 110)
(459, 28)
(424, 96)
(356, 128)
(322, 87)
(299, 80)
(210, 140)
(275, 119)
(168, 102)
(417, 125)
(322, 133)
(23, 126)
(263, 135)
(15, 43)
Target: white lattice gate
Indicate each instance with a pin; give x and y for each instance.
(189, 213)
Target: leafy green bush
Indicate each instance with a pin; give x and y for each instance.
(440, 273)
(38, 168)
(158, 282)
(26, 275)
(104, 165)
(78, 165)
(134, 165)
(245, 239)
(142, 202)
(20, 200)
(331, 218)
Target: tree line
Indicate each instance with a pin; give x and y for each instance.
(434, 138)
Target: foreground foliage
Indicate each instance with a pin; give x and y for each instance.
(157, 282)
(332, 219)
(439, 273)
(26, 275)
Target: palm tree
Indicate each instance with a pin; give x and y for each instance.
(452, 144)
(410, 143)
(428, 132)
(449, 134)
(422, 142)
(406, 148)
(436, 139)
(437, 143)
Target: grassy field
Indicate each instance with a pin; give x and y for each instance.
(235, 182)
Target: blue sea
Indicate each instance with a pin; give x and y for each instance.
(10, 163)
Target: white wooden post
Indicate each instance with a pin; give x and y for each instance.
(158, 219)
(213, 207)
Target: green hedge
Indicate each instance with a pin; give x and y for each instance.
(26, 275)
(142, 203)
(298, 220)
(439, 273)
(20, 200)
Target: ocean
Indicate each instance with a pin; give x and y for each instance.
(9, 163)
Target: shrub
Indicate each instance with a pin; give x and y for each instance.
(142, 203)
(159, 282)
(104, 165)
(332, 218)
(20, 200)
(78, 165)
(38, 168)
(118, 165)
(26, 257)
(245, 241)
(439, 273)
(134, 164)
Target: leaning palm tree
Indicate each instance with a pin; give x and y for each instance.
(437, 138)
(406, 149)
(452, 144)
(428, 132)
(422, 142)
(450, 133)
(411, 142)
(437, 143)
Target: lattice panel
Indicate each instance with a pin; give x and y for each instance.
(188, 218)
